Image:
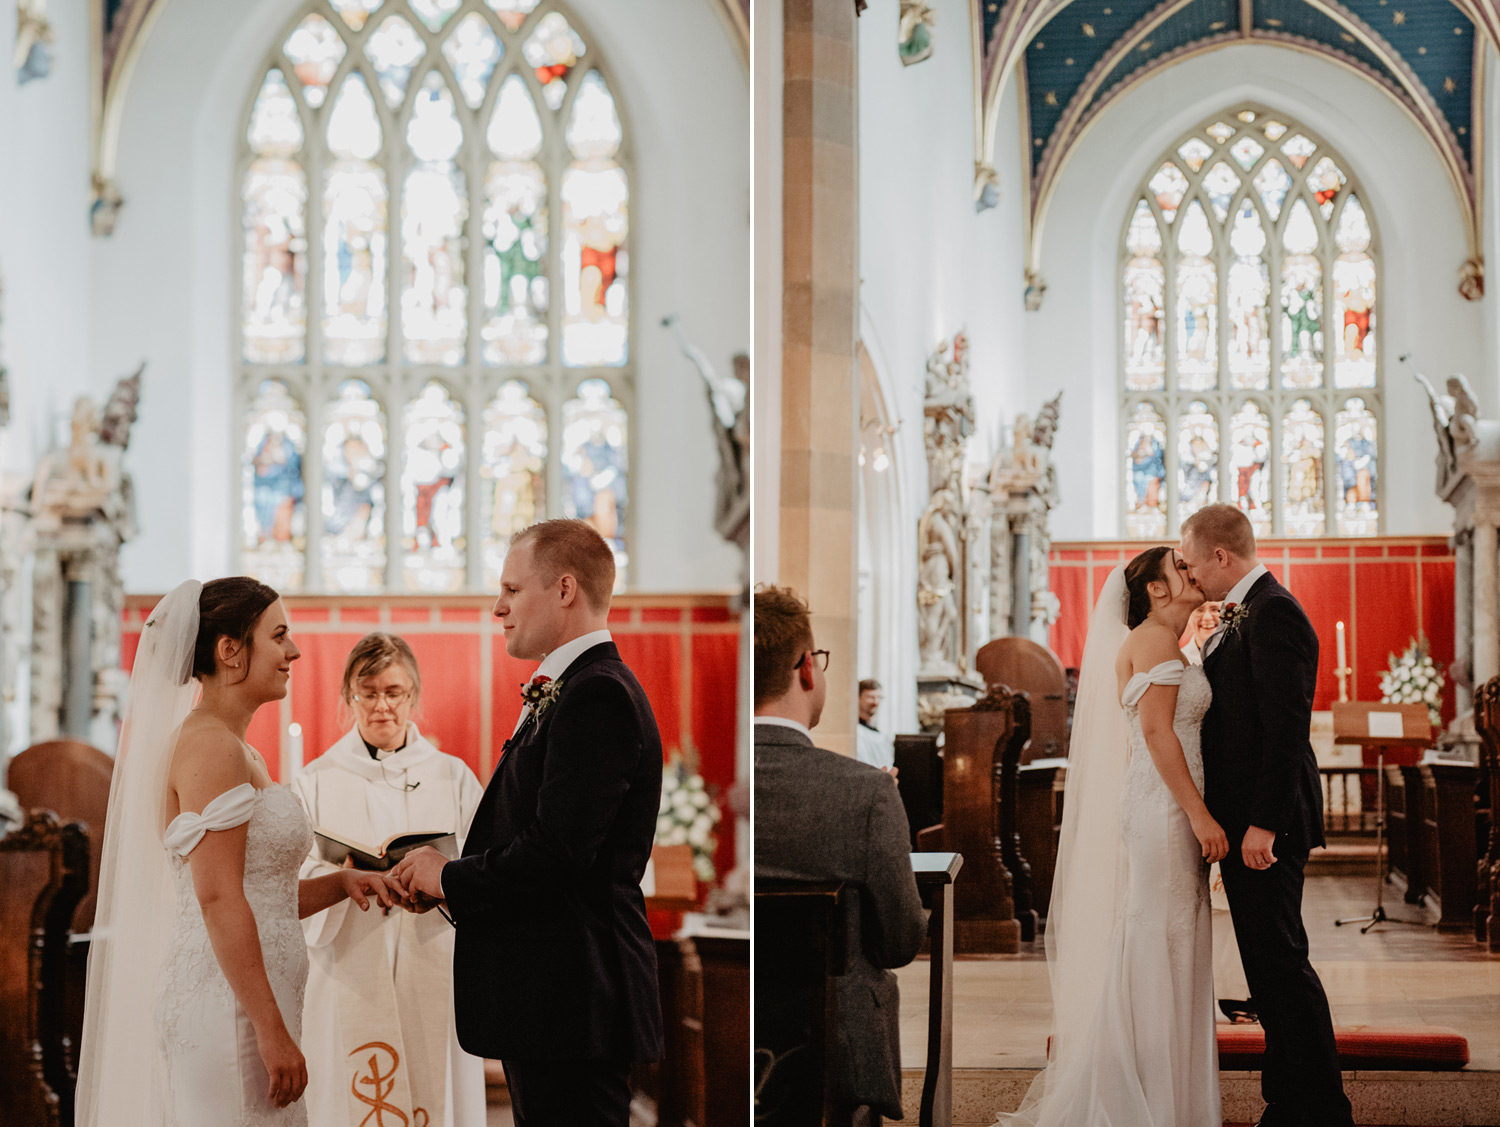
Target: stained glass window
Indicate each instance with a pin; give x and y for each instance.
(1358, 470)
(595, 463)
(1248, 288)
(432, 491)
(354, 490)
(1146, 473)
(273, 527)
(435, 293)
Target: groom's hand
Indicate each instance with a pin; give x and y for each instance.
(421, 871)
(1256, 849)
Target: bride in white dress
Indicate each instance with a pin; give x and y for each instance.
(199, 900)
(1129, 950)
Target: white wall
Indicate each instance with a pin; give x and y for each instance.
(930, 266)
(45, 320)
(1072, 341)
(162, 286)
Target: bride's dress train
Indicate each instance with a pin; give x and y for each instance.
(214, 1070)
(1149, 1058)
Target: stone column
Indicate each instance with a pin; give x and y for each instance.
(1486, 626)
(1020, 576)
(818, 553)
(78, 630)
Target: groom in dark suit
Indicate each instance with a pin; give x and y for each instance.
(554, 969)
(1261, 784)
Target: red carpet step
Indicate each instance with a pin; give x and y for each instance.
(1422, 1048)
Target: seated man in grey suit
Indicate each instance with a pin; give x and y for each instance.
(823, 817)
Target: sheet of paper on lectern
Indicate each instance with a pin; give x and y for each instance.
(1386, 725)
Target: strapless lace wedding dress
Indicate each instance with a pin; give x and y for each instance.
(1148, 1056)
(214, 1071)
(1158, 1063)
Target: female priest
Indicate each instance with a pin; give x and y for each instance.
(378, 1023)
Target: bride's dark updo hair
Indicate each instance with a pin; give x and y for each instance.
(1145, 568)
(228, 608)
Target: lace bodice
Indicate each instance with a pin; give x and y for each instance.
(196, 1008)
(1193, 698)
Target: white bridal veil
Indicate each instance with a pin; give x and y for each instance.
(1088, 889)
(120, 1074)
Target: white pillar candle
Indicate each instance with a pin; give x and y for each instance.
(1339, 628)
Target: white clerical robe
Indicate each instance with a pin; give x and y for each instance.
(377, 1026)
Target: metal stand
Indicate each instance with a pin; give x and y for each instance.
(1378, 916)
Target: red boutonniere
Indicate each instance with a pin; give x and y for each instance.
(539, 693)
(1232, 616)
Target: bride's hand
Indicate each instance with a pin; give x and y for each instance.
(1211, 837)
(361, 886)
(285, 1066)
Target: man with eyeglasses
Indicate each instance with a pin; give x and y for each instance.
(824, 817)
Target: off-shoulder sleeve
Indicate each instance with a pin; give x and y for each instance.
(224, 812)
(1167, 673)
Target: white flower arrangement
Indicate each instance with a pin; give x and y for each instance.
(689, 814)
(1413, 678)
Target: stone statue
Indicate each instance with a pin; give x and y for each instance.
(76, 483)
(938, 572)
(728, 400)
(1442, 419)
(915, 32)
(1478, 438)
(947, 423)
(121, 410)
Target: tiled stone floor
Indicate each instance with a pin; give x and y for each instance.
(1395, 975)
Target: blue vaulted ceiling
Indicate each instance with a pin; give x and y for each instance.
(1423, 50)
(1071, 58)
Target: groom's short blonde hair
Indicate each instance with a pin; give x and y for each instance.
(572, 547)
(1221, 526)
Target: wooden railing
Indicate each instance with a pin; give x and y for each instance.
(1348, 801)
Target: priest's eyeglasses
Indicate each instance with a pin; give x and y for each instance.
(394, 698)
(820, 656)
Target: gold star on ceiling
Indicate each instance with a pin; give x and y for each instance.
(1088, 31)
(1449, 85)
(1398, 18)
(1217, 25)
(1051, 98)
(1145, 45)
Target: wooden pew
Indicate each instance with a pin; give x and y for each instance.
(919, 767)
(1487, 871)
(72, 780)
(800, 947)
(43, 876)
(1039, 823)
(1024, 666)
(982, 750)
(1448, 806)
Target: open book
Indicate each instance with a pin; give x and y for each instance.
(333, 848)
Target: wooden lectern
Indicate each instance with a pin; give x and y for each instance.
(1382, 727)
